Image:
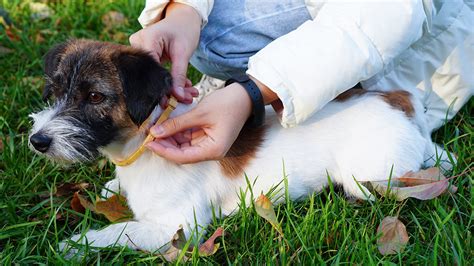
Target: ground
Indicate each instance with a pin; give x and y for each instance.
(326, 228)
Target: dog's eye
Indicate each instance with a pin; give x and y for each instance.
(96, 97)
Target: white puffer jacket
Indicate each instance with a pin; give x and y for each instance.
(430, 53)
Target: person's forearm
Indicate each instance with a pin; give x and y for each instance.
(177, 10)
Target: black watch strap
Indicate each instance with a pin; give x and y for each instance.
(257, 118)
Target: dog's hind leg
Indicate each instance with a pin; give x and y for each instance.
(136, 235)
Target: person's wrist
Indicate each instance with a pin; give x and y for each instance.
(243, 99)
(268, 95)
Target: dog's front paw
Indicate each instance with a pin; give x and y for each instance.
(112, 187)
(68, 248)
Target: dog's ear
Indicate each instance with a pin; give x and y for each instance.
(51, 63)
(144, 82)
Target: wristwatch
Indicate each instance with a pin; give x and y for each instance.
(257, 118)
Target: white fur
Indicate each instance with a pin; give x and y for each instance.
(361, 139)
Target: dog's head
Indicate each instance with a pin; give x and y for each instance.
(102, 93)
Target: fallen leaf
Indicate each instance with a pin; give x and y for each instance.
(40, 11)
(114, 208)
(113, 19)
(67, 189)
(172, 254)
(76, 203)
(423, 185)
(209, 248)
(264, 208)
(393, 237)
(179, 241)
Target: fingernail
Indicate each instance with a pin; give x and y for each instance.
(180, 92)
(157, 131)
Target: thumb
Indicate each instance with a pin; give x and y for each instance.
(176, 125)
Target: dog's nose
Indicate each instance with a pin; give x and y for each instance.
(41, 142)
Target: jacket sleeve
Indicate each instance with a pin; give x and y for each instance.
(346, 43)
(154, 9)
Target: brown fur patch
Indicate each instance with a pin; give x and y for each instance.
(242, 151)
(349, 94)
(400, 100)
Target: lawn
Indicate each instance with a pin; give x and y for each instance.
(324, 229)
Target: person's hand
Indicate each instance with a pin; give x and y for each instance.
(174, 39)
(208, 131)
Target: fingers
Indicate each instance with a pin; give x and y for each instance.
(179, 68)
(183, 154)
(179, 155)
(192, 91)
(142, 39)
(175, 125)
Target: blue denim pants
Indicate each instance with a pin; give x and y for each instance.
(237, 29)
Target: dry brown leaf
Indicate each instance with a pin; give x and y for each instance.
(179, 241)
(209, 248)
(114, 208)
(67, 189)
(172, 254)
(423, 185)
(264, 208)
(76, 203)
(393, 237)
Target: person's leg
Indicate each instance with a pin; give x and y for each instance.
(237, 30)
(207, 85)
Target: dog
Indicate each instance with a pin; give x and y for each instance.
(103, 93)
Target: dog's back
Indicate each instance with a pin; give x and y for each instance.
(359, 138)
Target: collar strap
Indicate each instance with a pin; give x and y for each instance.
(172, 103)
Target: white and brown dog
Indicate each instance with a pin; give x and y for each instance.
(103, 93)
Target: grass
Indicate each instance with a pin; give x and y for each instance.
(324, 229)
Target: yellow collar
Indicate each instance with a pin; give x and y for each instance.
(172, 103)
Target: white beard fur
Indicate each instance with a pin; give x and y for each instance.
(361, 139)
